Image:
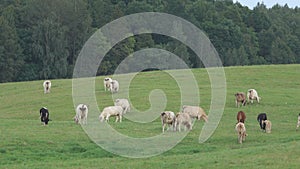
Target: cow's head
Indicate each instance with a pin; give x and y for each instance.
(101, 118)
(83, 108)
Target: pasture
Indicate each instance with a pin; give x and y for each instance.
(25, 143)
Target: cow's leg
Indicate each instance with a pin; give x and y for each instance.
(107, 118)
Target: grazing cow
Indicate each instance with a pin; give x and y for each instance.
(195, 112)
(124, 103)
(268, 125)
(252, 95)
(241, 130)
(44, 114)
(298, 124)
(81, 114)
(168, 118)
(114, 86)
(240, 97)
(183, 119)
(107, 82)
(261, 118)
(47, 86)
(241, 117)
(111, 111)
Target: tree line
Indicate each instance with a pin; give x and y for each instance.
(41, 39)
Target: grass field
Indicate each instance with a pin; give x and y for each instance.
(25, 143)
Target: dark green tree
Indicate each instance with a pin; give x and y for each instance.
(10, 50)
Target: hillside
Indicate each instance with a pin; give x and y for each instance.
(25, 143)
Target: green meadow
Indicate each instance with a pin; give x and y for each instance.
(25, 143)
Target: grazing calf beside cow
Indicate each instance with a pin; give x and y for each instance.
(240, 97)
(124, 103)
(44, 115)
(47, 86)
(81, 114)
(183, 119)
(167, 118)
(268, 125)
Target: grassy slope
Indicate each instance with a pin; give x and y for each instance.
(26, 144)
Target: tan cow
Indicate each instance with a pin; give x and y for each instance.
(195, 112)
(268, 126)
(241, 130)
(240, 97)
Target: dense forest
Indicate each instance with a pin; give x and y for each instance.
(41, 39)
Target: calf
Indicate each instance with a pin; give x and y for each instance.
(241, 130)
(124, 103)
(268, 125)
(167, 118)
(114, 86)
(298, 124)
(241, 117)
(47, 86)
(240, 97)
(44, 115)
(81, 114)
(261, 118)
(252, 95)
(195, 112)
(183, 119)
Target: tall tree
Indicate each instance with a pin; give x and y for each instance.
(10, 51)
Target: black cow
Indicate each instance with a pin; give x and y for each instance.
(44, 114)
(261, 118)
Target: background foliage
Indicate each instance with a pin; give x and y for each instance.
(42, 39)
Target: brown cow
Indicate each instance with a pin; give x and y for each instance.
(240, 97)
(241, 117)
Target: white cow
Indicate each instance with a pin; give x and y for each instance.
(81, 114)
(107, 82)
(168, 118)
(195, 112)
(47, 86)
(111, 111)
(124, 103)
(252, 95)
(114, 86)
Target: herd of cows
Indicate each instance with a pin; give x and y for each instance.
(168, 118)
